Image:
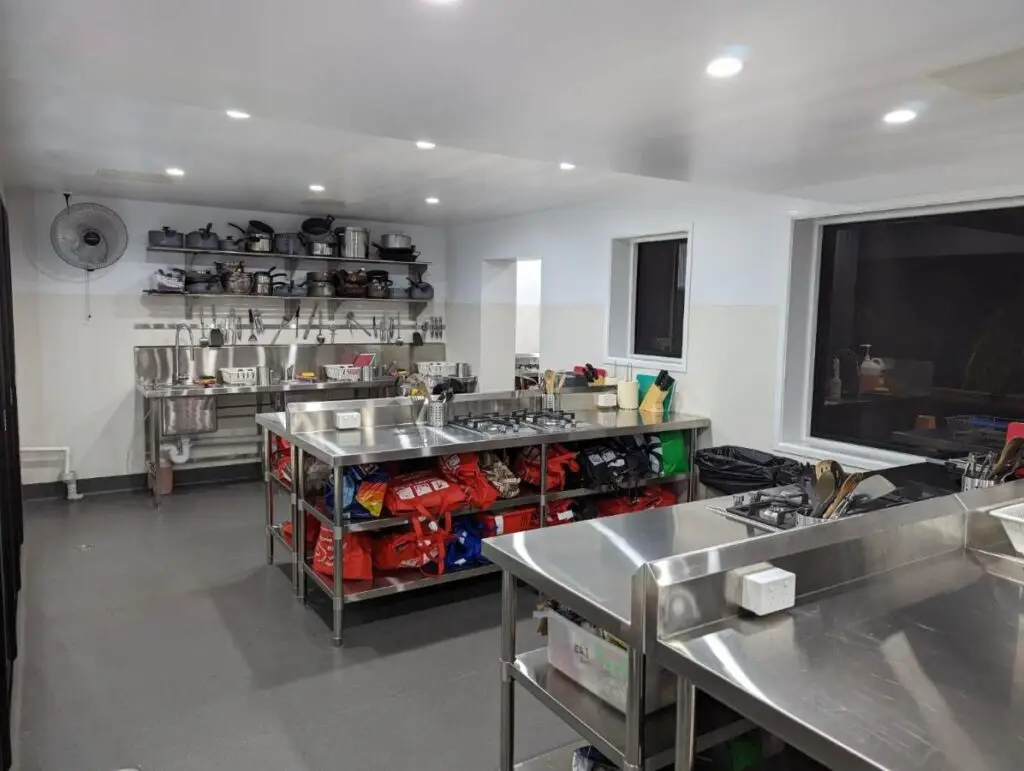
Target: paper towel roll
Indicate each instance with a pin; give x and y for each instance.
(629, 395)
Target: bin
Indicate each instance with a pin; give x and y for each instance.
(732, 470)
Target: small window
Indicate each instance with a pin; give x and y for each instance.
(659, 298)
(648, 300)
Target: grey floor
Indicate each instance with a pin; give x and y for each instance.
(162, 641)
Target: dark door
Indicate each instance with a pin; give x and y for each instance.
(10, 492)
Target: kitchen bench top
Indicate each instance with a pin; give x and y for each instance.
(378, 444)
(919, 668)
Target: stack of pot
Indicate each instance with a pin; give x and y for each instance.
(317, 237)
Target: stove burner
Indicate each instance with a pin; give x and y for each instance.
(516, 420)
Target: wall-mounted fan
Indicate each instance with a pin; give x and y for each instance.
(88, 236)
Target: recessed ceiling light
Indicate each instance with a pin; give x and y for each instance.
(565, 166)
(724, 67)
(317, 188)
(238, 114)
(173, 172)
(433, 200)
(423, 144)
(902, 115)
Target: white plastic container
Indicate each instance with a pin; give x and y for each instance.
(629, 395)
(437, 368)
(238, 376)
(606, 400)
(342, 373)
(1012, 519)
(602, 668)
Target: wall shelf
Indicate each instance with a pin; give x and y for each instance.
(416, 307)
(414, 264)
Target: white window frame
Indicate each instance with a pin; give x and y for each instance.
(793, 422)
(644, 361)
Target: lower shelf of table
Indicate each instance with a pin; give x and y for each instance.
(605, 727)
(530, 499)
(278, 534)
(393, 583)
(556, 760)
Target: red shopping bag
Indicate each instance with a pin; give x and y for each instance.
(464, 470)
(511, 521)
(312, 532)
(356, 561)
(422, 492)
(559, 461)
(423, 544)
(560, 513)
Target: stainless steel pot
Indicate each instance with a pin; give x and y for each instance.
(204, 238)
(319, 246)
(166, 237)
(420, 290)
(232, 245)
(354, 243)
(287, 243)
(379, 289)
(263, 282)
(320, 289)
(396, 241)
(259, 242)
(237, 282)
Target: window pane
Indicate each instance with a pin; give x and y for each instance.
(937, 299)
(660, 298)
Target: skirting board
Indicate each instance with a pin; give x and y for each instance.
(247, 472)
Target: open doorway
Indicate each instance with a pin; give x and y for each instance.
(528, 310)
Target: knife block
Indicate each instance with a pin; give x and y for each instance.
(654, 400)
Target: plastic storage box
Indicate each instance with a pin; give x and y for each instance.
(602, 668)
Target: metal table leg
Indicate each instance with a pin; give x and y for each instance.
(686, 704)
(339, 556)
(298, 523)
(155, 415)
(542, 506)
(636, 710)
(269, 492)
(508, 657)
(691, 480)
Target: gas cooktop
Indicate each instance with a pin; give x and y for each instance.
(518, 421)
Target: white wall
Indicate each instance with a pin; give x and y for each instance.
(528, 301)
(75, 378)
(740, 263)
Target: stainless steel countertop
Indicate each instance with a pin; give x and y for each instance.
(385, 443)
(590, 565)
(170, 391)
(917, 668)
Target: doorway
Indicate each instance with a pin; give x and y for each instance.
(528, 310)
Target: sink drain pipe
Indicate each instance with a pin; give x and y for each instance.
(68, 477)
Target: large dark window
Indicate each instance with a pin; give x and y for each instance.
(920, 340)
(660, 299)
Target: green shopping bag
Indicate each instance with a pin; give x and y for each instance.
(674, 453)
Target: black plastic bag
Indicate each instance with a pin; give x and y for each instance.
(741, 469)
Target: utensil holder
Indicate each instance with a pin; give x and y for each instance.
(975, 483)
(437, 414)
(805, 521)
(549, 402)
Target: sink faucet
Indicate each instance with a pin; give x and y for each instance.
(178, 378)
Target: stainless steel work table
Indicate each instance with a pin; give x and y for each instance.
(401, 442)
(917, 668)
(589, 567)
(309, 429)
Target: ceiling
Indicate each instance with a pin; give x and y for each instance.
(339, 90)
